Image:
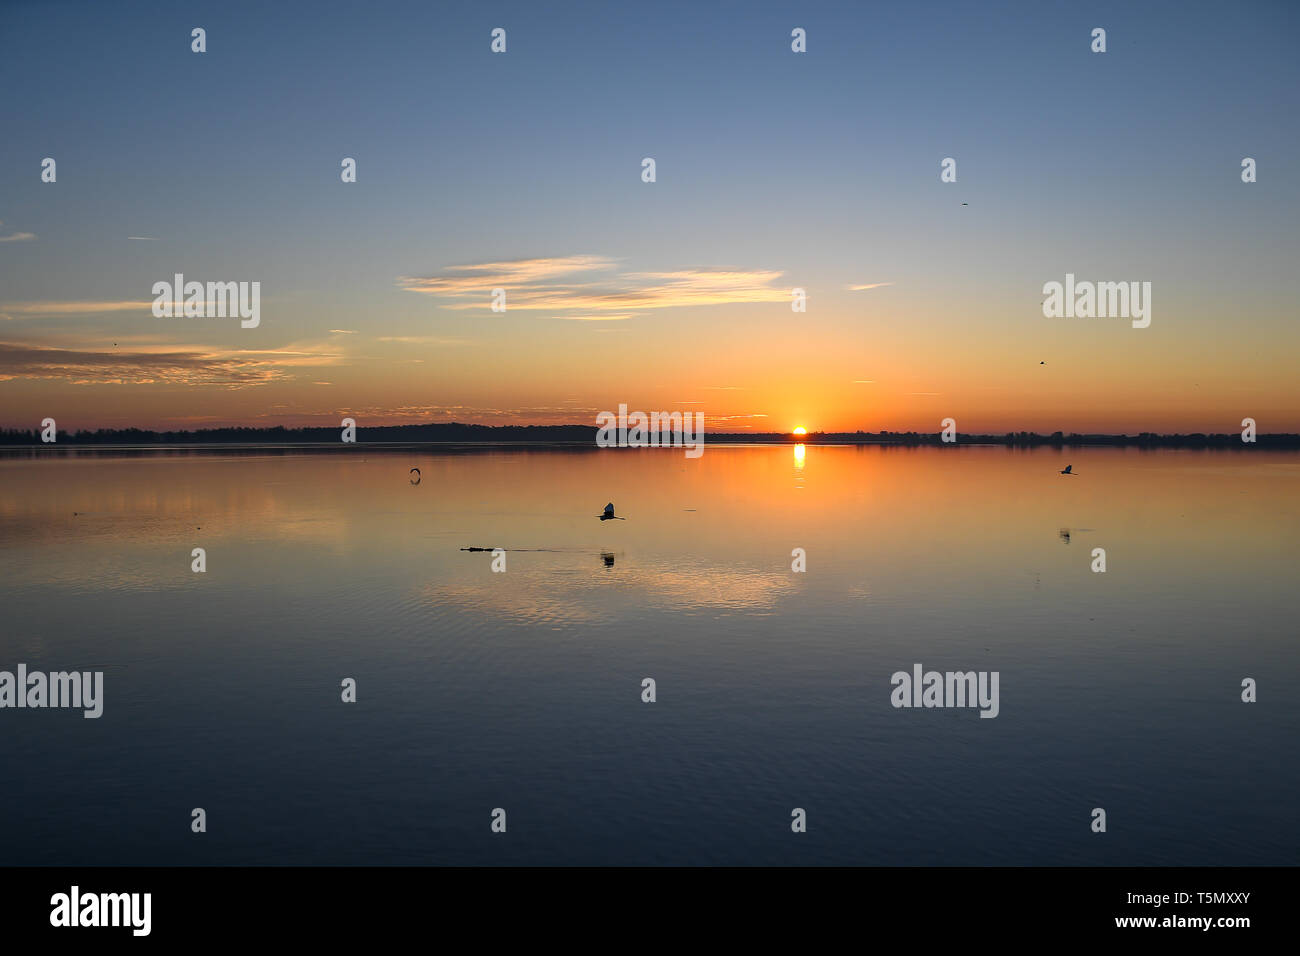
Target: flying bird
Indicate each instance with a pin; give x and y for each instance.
(1067, 470)
(608, 514)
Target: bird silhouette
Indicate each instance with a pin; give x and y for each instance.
(1068, 470)
(609, 513)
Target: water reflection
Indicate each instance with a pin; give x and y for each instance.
(522, 686)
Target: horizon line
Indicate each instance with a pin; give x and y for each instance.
(11, 433)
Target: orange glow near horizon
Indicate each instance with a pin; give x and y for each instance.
(801, 430)
(531, 371)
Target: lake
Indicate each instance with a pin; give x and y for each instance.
(522, 690)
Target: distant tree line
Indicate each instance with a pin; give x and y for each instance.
(455, 432)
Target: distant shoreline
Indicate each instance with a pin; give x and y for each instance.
(584, 436)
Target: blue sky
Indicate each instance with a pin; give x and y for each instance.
(821, 167)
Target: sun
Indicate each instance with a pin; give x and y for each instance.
(801, 430)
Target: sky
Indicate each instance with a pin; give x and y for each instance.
(774, 170)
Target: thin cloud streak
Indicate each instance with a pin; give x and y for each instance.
(421, 340)
(611, 318)
(551, 285)
(17, 236)
(158, 365)
(72, 308)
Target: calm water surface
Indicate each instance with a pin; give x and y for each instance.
(522, 690)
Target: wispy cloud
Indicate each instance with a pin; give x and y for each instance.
(421, 340)
(606, 318)
(17, 236)
(344, 331)
(863, 381)
(561, 414)
(71, 308)
(159, 365)
(480, 278)
(573, 288)
(144, 238)
(869, 285)
(732, 421)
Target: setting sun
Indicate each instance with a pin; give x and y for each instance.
(801, 430)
